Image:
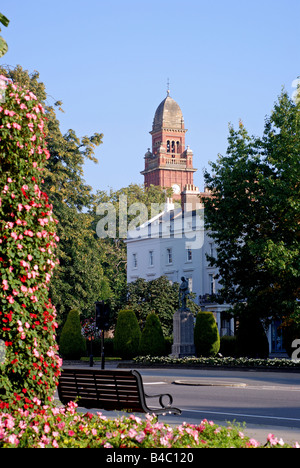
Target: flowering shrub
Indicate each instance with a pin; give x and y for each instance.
(27, 243)
(66, 428)
(219, 362)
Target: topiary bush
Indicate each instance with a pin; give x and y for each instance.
(72, 344)
(228, 346)
(127, 335)
(252, 340)
(206, 335)
(152, 339)
(31, 365)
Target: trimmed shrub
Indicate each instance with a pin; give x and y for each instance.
(127, 335)
(72, 344)
(152, 338)
(252, 340)
(228, 346)
(206, 335)
(28, 239)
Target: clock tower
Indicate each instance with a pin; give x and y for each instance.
(169, 164)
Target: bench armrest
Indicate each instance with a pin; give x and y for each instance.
(161, 397)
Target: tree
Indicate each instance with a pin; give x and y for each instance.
(159, 296)
(125, 204)
(253, 215)
(78, 279)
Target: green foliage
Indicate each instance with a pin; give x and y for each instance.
(258, 249)
(251, 340)
(77, 282)
(27, 255)
(72, 344)
(152, 339)
(159, 296)
(124, 206)
(228, 346)
(127, 335)
(206, 335)
(68, 428)
(3, 44)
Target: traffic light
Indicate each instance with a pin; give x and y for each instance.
(102, 315)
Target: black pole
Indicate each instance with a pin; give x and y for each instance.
(102, 350)
(91, 355)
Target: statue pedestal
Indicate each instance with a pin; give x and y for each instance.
(183, 334)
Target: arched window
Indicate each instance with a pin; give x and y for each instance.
(173, 146)
(168, 146)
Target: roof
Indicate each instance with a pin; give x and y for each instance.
(168, 115)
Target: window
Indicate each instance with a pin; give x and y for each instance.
(134, 260)
(151, 258)
(211, 249)
(173, 146)
(168, 146)
(169, 256)
(211, 284)
(189, 254)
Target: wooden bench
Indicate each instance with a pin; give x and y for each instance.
(110, 390)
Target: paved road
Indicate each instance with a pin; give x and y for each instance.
(265, 401)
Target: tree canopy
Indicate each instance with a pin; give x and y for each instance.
(253, 215)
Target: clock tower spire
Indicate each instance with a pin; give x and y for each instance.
(170, 163)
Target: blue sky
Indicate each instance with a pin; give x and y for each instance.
(109, 62)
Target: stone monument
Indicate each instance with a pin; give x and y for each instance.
(183, 325)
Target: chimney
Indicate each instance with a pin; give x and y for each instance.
(190, 198)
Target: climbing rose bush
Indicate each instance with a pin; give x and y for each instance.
(30, 365)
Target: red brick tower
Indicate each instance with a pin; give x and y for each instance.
(169, 164)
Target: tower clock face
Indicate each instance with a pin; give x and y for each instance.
(176, 188)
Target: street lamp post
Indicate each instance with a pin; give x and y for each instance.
(102, 323)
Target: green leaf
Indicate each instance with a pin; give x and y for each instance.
(3, 47)
(4, 20)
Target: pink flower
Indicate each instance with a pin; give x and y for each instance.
(253, 443)
(139, 438)
(12, 439)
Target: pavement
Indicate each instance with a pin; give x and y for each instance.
(256, 431)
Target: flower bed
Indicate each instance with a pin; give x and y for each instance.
(219, 362)
(53, 427)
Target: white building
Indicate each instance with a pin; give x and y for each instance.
(174, 244)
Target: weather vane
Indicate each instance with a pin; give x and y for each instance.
(168, 86)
